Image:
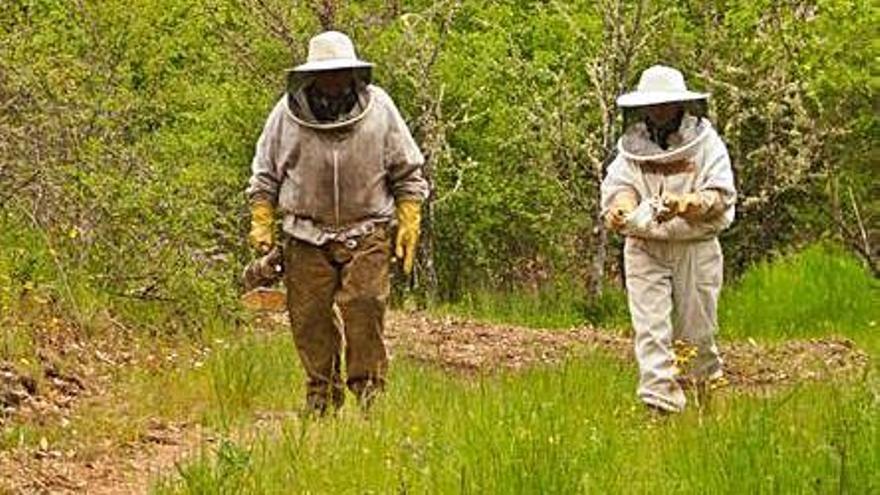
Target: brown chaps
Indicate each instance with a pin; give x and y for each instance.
(348, 280)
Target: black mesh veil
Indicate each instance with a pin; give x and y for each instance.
(632, 115)
(297, 80)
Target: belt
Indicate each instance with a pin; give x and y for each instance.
(351, 239)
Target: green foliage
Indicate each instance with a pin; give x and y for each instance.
(135, 197)
(132, 124)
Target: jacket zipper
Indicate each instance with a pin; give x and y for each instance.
(336, 185)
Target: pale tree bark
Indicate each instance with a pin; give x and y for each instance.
(431, 126)
(609, 67)
(325, 11)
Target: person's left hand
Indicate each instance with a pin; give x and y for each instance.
(689, 206)
(409, 220)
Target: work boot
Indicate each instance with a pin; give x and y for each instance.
(319, 404)
(366, 391)
(657, 414)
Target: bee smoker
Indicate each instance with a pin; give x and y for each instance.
(265, 271)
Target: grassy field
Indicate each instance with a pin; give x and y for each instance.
(572, 429)
(818, 291)
(815, 292)
(575, 428)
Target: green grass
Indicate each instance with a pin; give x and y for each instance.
(576, 428)
(817, 291)
(572, 429)
(554, 306)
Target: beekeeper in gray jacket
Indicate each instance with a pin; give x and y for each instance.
(337, 163)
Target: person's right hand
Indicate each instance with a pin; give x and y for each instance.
(623, 205)
(690, 206)
(615, 219)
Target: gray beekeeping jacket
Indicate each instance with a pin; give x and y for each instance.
(334, 181)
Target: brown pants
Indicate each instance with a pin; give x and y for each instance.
(356, 279)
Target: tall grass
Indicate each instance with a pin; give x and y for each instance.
(575, 429)
(819, 290)
(562, 305)
(43, 272)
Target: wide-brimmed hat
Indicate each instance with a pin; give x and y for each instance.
(331, 50)
(659, 84)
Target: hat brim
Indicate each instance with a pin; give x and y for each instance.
(331, 64)
(645, 98)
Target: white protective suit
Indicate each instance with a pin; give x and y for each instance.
(673, 268)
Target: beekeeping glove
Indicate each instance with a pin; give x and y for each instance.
(409, 220)
(262, 235)
(691, 206)
(623, 204)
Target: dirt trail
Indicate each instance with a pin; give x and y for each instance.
(455, 344)
(128, 469)
(460, 344)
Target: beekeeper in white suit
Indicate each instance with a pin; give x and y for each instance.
(670, 191)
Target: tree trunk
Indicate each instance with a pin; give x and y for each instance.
(600, 233)
(600, 254)
(325, 10)
(429, 281)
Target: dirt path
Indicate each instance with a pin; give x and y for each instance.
(454, 344)
(459, 344)
(116, 470)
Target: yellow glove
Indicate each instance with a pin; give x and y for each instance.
(691, 206)
(624, 204)
(409, 221)
(262, 235)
